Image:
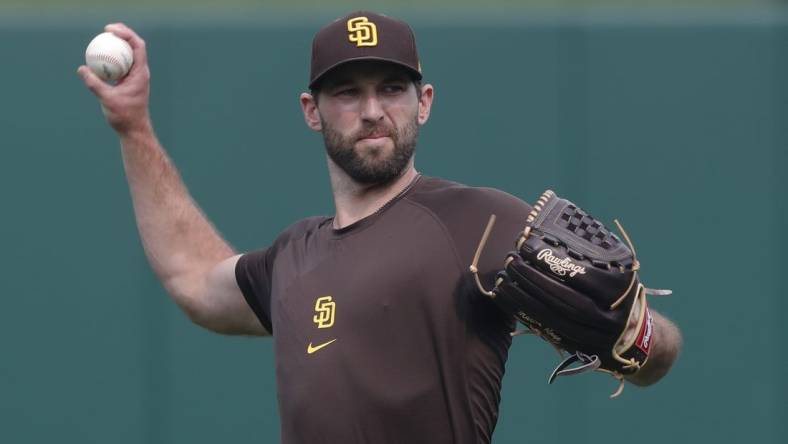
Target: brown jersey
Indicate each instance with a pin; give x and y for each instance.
(380, 334)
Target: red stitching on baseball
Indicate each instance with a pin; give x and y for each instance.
(109, 59)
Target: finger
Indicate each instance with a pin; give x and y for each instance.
(93, 82)
(135, 41)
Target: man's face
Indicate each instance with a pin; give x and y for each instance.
(369, 116)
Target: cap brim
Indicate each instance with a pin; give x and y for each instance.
(320, 76)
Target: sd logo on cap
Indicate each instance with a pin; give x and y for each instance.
(362, 31)
(363, 35)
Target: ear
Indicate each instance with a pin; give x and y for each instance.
(425, 103)
(311, 113)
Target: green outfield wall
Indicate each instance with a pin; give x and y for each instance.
(678, 127)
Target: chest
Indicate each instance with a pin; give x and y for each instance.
(387, 277)
(358, 285)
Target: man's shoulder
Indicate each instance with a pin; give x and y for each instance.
(463, 212)
(301, 228)
(446, 196)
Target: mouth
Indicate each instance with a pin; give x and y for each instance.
(373, 136)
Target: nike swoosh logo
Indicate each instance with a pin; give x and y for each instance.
(311, 349)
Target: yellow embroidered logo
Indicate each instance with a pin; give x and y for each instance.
(325, 308)
(362, 32)
(313, 348)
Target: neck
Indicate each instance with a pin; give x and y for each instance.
(356, 201)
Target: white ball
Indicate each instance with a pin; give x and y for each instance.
(109, 56)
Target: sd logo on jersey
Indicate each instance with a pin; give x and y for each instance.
(325, 309)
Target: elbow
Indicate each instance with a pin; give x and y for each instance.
(208, 300)
(200, 312)
(209, 323)
(188, 292)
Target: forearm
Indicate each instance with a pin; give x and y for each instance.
(179, 241)
(193, 262)
(665, 349)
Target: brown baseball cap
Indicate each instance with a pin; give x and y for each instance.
(363, 35)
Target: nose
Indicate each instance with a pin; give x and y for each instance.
(371, 109)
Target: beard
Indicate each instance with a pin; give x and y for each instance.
(374, 166)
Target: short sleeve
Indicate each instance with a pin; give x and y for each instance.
(253, 274)
(465, 211)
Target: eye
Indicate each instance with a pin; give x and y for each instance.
(345, 92)
(393, 88)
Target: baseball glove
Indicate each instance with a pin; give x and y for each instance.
(575, 284)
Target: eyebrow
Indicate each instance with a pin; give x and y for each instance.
(396, 77)
(348, 80)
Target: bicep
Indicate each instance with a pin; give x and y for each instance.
(224, 304)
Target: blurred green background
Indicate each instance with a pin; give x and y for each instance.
(672, 116)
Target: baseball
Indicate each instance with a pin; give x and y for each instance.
(109, 56)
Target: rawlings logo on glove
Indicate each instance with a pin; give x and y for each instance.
(575, 284)
(560, 266)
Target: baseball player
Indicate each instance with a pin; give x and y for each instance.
(380, 330)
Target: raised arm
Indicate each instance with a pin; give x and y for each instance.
(193, 262)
